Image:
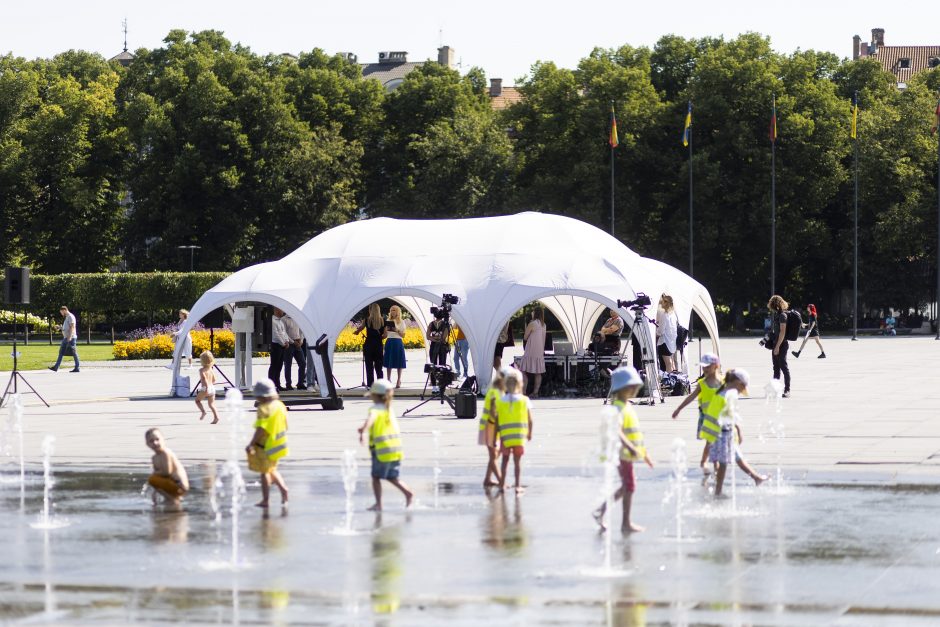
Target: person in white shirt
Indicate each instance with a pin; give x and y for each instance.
(69, 339)
(296, 351)
(666, 332)
(280, 342)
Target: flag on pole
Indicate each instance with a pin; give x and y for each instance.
(937, 117)
(773, 123)
(688, 126)
(854, 115)
(613, 140)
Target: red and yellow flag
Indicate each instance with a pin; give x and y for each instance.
(773, 123)
(613, 140)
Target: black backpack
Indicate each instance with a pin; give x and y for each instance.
(682, 336)
(794, 324)
(470, 384)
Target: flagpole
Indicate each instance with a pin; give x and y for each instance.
(937, 122)
(855, 261)
(612, 176)
(773, 201)
(691, 232)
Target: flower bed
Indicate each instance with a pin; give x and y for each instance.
(40, 325)
(348, 341)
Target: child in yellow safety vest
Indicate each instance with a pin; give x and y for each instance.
(384, 442)
(487, 431)
(721, 418)
(514, 425)
(625, 382)
(268, 444)
(708, 386)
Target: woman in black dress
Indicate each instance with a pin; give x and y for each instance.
(374, 326)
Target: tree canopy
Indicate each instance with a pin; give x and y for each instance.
(205, 142)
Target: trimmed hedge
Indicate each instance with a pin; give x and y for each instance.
(112, 292)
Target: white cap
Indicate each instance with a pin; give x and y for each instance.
(624, 376)
(709, 359)
(264, 388)
(381, 387)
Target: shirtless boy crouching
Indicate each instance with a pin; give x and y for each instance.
(169, 478)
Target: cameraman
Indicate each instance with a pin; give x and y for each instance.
(439, 336)
(778, 332)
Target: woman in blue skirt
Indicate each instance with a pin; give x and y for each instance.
(394, 346)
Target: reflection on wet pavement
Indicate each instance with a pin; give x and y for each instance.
(816, 554)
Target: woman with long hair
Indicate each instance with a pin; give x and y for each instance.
(813, 324)
(374, 326)
(778, 336)
(533, 357)
(666, 332)
(394, 344)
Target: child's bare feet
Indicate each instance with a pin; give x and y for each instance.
(599, 519)
(214, 421)
(375, 508)
(202, 415)
(284, 496)
(490, 484)
(520, 490)
(759, 479)
(408, 499)
(631, 528)
(262, 504)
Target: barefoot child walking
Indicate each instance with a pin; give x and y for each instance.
(514, 423)
(487, 431)
(269, 443)
(722, 411)
(206, 390)
(169, 478)
(705, 390)
(625, 382)
(384, 442)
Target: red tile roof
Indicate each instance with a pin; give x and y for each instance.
(919, 58)
(508, 96)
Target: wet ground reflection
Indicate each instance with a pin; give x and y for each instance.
(856, 554)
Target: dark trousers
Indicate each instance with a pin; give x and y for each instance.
(439, 352)
(780, 365)
(67, 347)
(372, 354)
(295, 353)
(277, 362)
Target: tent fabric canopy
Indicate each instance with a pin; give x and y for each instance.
(494, 265)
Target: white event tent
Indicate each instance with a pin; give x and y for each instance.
(494, 265)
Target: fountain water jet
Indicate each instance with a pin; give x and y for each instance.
(436, 435)
(46, 519)
(350, 476)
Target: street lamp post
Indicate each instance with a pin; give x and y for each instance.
(192, 250)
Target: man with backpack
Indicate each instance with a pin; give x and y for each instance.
(780, 329)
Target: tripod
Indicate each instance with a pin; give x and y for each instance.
(439, 395)
(640, 332)
(15, 375)
(434, 376)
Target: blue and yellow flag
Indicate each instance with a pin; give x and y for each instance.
(613, 140)
(854, 132)
(687, 132)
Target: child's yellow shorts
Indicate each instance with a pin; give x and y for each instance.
(166, 485)
(258, 460)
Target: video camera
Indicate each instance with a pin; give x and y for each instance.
(640, 302)
(443, 312)
(441, 376)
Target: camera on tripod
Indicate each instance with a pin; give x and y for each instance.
(447, 302)
(440, 376)
(641, 301)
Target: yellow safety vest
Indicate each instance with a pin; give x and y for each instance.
(487, 417)
(710, 426)
(706, 393)
(512, 419)
(631, 430)
(384, 437)
(272, 417)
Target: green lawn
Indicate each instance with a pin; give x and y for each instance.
(39, 356)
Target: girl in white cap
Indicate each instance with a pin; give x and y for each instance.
(723, 411)
(269, 442)
(705, 390)
(625, 382)
(384, 442)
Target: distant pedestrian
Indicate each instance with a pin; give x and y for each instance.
(280, 344)
(268, 444)
(295, 351)
(69, 339)
(533, 356)
(372, 353)
(178, 336)
(384, 442)
(502, 341)
(461, 352)
(778, 339)
(206, 390)
(812, 323)
(394, 357)
(667, 330)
